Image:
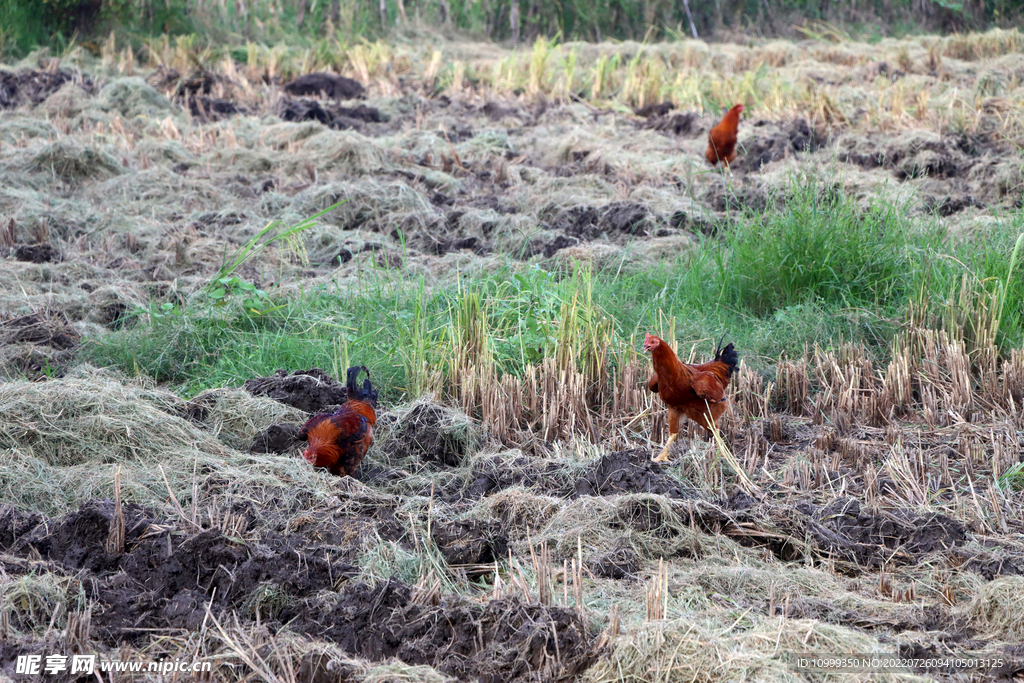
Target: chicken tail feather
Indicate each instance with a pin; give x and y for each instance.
(728, 356)
(366, 393)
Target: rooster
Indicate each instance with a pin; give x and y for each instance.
(696, 391)
(339, 442)
(722, 138)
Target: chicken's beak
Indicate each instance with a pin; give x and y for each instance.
(308, 455)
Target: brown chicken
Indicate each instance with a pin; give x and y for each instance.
(696, 391)
(339, 441)
(722, 138)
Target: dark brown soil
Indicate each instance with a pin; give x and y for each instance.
(423, 436)
(618, 563)
(628, 472)
(32, 87)
(872, 540)
(471, 542)
(39, 345)
(495, 474)
(310, 390)
(332, 116)
(169, 576)
(682, 124)
(36, 253)
(166, 578)
(46, 328)
(281, 438)
(328, 85)
(501, 641)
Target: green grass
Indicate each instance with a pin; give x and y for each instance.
(811, 271)
(301, 21)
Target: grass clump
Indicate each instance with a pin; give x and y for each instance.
(823, 250)
(61, 441)
(71, 163)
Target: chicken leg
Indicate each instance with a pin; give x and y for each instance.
(673, 430)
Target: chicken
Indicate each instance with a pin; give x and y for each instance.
(696, 391)
(339, 442)
(722, 138)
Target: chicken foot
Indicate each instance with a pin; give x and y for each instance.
(663, 456)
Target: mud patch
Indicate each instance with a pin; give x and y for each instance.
(495, 474)
(503, 640)
(327, 85)
(588, 222)
(628, 472)
(310, 390)
(332, 116)
(47, 328)
(426, 434)
(36, 253)
(871, 540)
(208, 109)
(681, 124)
(32, 87)
(768, 143)
(618, 563)
(163, 578)
(282, 438)
(474, 544)
(37, 345)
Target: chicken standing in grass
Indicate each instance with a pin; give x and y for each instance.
(722, 138)
(696, 391)
(339, 441)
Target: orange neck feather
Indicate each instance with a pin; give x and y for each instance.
(323, 448)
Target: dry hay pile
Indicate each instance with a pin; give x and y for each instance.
(62, 441)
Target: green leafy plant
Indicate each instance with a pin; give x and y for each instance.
(228, 288)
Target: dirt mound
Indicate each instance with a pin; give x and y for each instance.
(206, 108)
(617, 563)
(47, 328)
(32, 86)
(38, 344)
(15, 523)
(36, 253)
(746, 194)
(588, 222)
(770, 142)
(993, 564)
(281, 438)
(844, 530)
(687, 124)
(328, 85)
(332, 116)
(471, 542)
(310, 390)
(430, 434)
(628, 472)
(501, 641)
(166, 575)
(495, 473)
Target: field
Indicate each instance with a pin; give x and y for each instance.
(194, 253)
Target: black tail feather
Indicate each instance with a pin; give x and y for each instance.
(728, 355)
(366, 393)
